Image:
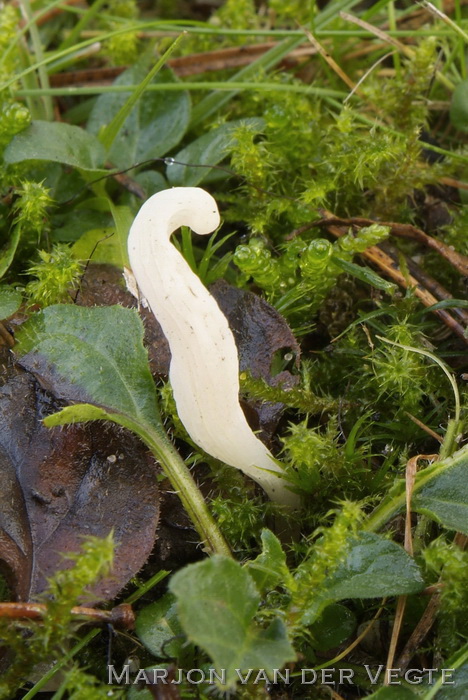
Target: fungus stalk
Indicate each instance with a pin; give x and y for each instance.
(204, 369)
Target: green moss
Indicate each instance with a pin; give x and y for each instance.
(450, 563)
(57, 275)
(31, 643)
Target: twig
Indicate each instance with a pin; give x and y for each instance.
(121, 616)
(184, 66)
(459, 261)
(411, 469)
(419, 633)
(424, 427)
(330, 60)
(428, 282)
(378, 33)
(5, 337)
(450, 182)
(379, 258)
(403, 48)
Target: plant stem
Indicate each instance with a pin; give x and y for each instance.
(187, 490)
(47, 105)
(176, 87)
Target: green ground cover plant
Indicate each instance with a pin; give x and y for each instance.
(333, 138)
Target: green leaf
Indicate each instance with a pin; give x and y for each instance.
(459, 107)
(102, 244)
(57, 142)
(159, 629)
(69, 229)
(447, 304)
(123, 219)
(8, 252)
(155, 125)
(334, 626)
(445, 498)
(375, 567)
(82, 413)
(208, 149)
(10, 301)
(98, 355)
(440, 491)
(269, 568)
(459, 688)
(216, 602)
(364, 274)
(109, 133)
(151, 181)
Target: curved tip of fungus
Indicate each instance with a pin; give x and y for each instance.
(185, 206)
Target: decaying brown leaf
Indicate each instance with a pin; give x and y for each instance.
(62, 484)
(259, 330)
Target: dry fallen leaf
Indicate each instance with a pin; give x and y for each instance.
(62, 484)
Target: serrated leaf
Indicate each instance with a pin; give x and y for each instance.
(96, 355)
(156, 124)
(56, 142)
(445, 498)
(10, 301)
(269, 568)
(92, 355)
(208, 149)
(375, 567)
(216, 602)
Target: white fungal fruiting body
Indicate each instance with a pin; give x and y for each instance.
(204, 370)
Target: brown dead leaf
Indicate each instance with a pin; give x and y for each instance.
(64, 483)
(260, 333)
(259, 330)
